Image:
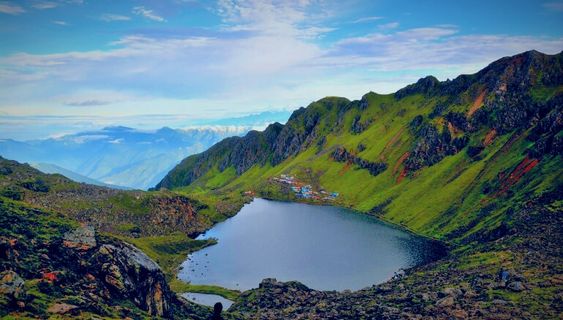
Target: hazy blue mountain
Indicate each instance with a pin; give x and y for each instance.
(53, 168)
(119, 155)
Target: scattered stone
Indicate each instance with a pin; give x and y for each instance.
(83, 238)
(504, 275)
(516, 286)
(454, 292)
(459, 314)
(61, 308)
(11, 284)
(446, 302)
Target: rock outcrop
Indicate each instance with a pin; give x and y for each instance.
(50, 265)
(340, 154)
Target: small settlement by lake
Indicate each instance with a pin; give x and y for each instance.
(305, 191)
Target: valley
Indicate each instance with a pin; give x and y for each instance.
(473, 163)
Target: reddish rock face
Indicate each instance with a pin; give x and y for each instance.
(50, 276)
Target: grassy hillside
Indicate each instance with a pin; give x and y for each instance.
(441, 144)
(474, 162)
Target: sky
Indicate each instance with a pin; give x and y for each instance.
(70, 65)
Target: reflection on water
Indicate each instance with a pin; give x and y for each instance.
(325, 248)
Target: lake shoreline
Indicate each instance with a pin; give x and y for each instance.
(436, 245)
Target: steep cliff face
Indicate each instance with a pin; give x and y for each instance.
(272, 146)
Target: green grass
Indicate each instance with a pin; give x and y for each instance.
(545, 93)
(133, 203)
(434, 201)
(490, 260)
(169, 252)
(180, 286)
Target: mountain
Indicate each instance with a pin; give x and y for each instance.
(474, 162)
(383, 148)
(119, 155)
(51, 168)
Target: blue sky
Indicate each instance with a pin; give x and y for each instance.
(79, 64)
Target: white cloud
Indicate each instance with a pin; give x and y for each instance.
(290, 18)
(43, 5)
(432, 48)
(114, 17)
(367, 19)
(116, 141)
(9, 8)
(147, 13)
(265, 56)
(60, 22)
(87, 103)
(388, 26)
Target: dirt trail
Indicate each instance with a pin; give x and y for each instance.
(507, 181)
(489, 138)
(345, 168)
(400, 162)
(478, 103)
(391, 143)
(403, 174)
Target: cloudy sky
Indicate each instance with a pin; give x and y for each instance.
(72, 64)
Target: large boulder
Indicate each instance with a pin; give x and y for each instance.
(128, 272)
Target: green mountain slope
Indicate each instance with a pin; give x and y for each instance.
(426, 157)
(474, 162)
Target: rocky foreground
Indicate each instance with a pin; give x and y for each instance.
(53, 267)
(60, 254)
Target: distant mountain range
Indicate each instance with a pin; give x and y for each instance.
(52, 169)
(118, 156)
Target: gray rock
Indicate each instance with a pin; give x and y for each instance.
(454, 292)
(80, 238)
(504, 275)
(446, 302)
(130, 272)
(11, 284)
(516, 286)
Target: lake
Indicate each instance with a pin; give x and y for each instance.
(325, 248)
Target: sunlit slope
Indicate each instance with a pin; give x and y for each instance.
(456, 153)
